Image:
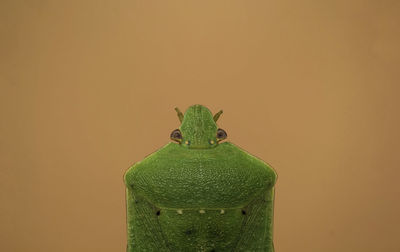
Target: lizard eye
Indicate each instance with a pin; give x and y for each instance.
(221, 134)
(176, 135)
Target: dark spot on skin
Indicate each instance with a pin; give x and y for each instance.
(244, 212)
(158, 212)
(189, 231)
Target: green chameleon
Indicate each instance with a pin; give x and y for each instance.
(199, 194)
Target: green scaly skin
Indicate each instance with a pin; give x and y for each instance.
(200, 195)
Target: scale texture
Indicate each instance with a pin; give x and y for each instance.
(200, 196)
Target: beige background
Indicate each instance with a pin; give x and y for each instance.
(89, 87)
